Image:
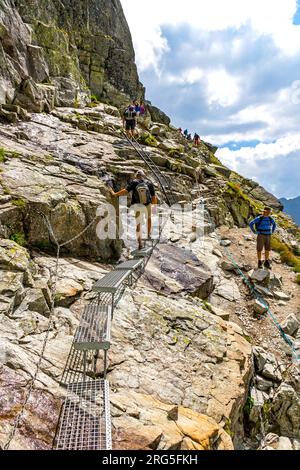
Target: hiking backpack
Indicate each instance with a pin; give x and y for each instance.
(144, 194)
(129, 115)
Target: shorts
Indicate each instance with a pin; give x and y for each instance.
(130, 125)
(141, 214)
(263, 241)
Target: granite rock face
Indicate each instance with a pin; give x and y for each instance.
(59, 52)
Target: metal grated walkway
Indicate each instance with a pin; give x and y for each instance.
(85, 422)
(85, 417)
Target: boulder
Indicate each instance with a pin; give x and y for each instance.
(155, 130)
(227, 266)
(13, 256)
(210, 171)
(260, 307)
(229, 290)
(220, 313)
(183, 269)
(266, 198)
(164, 427)
(271, 371)
(291, 325)
(275, 281)
(34, 301)
(225, 243)
(258, 400)
(223, 170)
(157, 115)
(11, 285)
(263, 384)
(261, 358)
(263, 291)
(217, 253)
(286, 411)
(281, 296)
(68, 290)
(260, 276)
(274, 442)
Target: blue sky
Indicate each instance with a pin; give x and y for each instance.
(230, 71)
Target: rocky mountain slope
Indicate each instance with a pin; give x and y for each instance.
(195, 359)
(292, 207)
(61, 52)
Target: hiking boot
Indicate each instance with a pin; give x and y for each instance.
(268, 264)
(260, 265)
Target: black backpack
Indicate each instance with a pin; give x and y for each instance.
(257, 226)
(143, 192)
(129, 115)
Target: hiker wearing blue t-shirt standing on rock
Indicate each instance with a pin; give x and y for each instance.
(264, 226)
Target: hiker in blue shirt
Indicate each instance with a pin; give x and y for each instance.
(264, 226)
(137, 107)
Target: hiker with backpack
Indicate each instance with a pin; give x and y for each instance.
(196, 139)
(143, 196)
(129, 121)
(264, 226)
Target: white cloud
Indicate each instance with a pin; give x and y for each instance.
(265, 16)
(265, 151)
(221, 89)
(229, 72)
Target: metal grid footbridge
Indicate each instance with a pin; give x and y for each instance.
(85, 422)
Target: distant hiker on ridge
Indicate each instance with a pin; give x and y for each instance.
(137, 107)
(143, 194)
(143, 110)
(264, 226)
(196, 139)
(186, 133)
(129, 120)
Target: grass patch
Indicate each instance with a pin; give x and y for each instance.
(2, 155)
(19, 238)
(248, 338)
(286, 254)
(174, 153)
(5, 154)
(19, 203)
(298, 279)
(227, 428)
(248, 406)
(234, 190)
(149, 140)
(95, 99)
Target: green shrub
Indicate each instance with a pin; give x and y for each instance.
(19, 203)
(2, 155)
(95, 99)
(248, 405)
(286, 254)
(148, 140)
(19, 238)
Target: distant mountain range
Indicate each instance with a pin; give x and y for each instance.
(292, 207)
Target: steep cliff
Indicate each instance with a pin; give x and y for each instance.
(61, 52)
